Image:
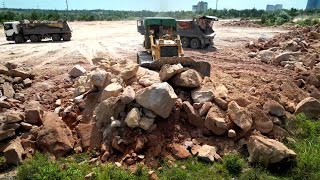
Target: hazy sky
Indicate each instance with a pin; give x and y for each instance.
(154, 5)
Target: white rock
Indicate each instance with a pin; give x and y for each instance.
(168, 71)
(202, 95)
(128, 95)
(112, 90)
(133, 118)
(77, 71)
(146, 123)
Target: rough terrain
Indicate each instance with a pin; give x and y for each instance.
(108, 104)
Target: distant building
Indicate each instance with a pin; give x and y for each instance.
(200, 7)
(274, 7)
(313, 4)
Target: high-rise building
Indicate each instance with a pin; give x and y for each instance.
(200, 7)
(274, 7)
(313, 4)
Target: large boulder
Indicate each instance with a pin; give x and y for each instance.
(89, 135)
(261, 121)
(216, 122)
(267, 151)
(4, 70)
(133, 118)
(202, 95)
(189, 79)
(77, 71)
(274, 108)
(5, 134)
(160, 98)
(34, 112)
(112, 90)
(194, 117)
(168, 71)
(108, 108)
(285, 56)
(55, 136)
(310, 107)
(13, 153)
(240, 116)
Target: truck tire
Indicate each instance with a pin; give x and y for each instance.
(18, 39)
(56, 37)
(66, 37)
(34, 38)
(185, 42)
(195, 43)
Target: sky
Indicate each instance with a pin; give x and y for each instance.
(153, 5)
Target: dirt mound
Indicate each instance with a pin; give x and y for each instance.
(242, 23)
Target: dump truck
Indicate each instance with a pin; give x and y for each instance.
(163, 46)
(197, 33)
(23, 31)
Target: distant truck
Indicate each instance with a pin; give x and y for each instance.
(23, 31)
(197, 33)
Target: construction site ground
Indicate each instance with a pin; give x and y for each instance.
(120, 39)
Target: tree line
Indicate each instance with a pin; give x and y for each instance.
(269, 18)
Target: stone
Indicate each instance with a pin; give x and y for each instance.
(4, 104)
(149, 113)
(5, 134)
(12, 65)
(79, 91)
(13, 153)
(221, 91)
(133, 118)
(89, 135)
(261, 121)
(77, 71)
(27, 82)
(128, 95)
(193, 115)
(205, 108)
(34, 112)
(115, 124)
(19, 96)
(282, 57)
(223, 104)
(310, 107)
(126, 71)
(160, 98)
(8, 90)
(4, 70)
(146, 123)
(55, 136)
(278, 132)
(202, 95)
(240, 116)
(14, 116)
(180, 151)
(148, 78)
(14, 126)
(208, 153)
(189, 79)
(252, 54)
(274, 108)
(216, 122)
(168, 71)
(108, 108)
(292, 91)
(267, 151)
(21, 73)
(90, 176)
(232, 133)
(267, 56)
(26, 126)
(112, 90)
(100, 78)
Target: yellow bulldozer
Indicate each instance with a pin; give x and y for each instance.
(163, 46)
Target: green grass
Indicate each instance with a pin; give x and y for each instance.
(305, 141)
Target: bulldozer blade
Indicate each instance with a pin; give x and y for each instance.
(202, 67)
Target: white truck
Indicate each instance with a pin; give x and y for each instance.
(23, 31)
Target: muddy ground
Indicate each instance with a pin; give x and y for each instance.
(52, 61)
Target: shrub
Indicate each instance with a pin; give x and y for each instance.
(234, 164)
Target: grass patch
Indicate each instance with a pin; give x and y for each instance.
(234, 163)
